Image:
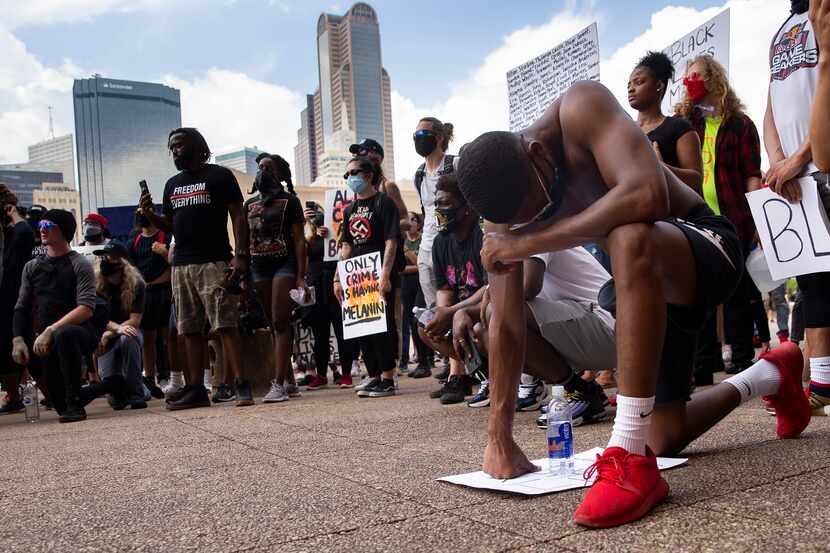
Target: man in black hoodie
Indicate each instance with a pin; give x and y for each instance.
(63, 282)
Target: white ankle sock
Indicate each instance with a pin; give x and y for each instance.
(761, 379)
(820, 370)
(631, 423)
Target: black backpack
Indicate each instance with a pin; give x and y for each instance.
(448, 168)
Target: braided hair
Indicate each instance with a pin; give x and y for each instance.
(199, 143)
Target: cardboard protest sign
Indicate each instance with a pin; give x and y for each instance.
(533, 86)
(336, 203)
(795, 237)
(363, 307)
(711, 38)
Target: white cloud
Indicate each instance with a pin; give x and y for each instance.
(233, 110)
(479, 103)
(17, 13)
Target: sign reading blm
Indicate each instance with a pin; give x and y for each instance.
(795, 237)
(711, 38)
(363, 307)
(336, 203)
(533, 86)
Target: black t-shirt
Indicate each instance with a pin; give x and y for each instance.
(117, 312)
(150, 264)
(315, 257)
(457, 264)
(369, 223)
(19, 240)
(270, 225)
(198, 203)
(666, 135)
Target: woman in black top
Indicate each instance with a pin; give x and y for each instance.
(278, 257)
(674, 140)
(326, 311)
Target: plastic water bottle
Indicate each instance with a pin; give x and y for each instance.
(31, 404)
(560, 434)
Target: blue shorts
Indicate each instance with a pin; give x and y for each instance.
(269, 268)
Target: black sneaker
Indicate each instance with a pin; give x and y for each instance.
(13, 406)
(420, 372)
(383, 388)
(436, 394)
(223, 393)
(193, 396)
(73, 413)
(155, 391)
(456, 389)
(176, 395)
(244, 394)
(443, 375)
(588, 403)
(138, 404)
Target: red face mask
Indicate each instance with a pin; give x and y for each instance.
(695, 88)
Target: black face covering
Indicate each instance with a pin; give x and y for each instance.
(448, 219)
(108, 268)
(267, 185)
(425, 144)
(799, 6)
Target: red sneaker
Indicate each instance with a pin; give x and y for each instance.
(627, 487)
(317, 383)
(791, 406)
(346, 381)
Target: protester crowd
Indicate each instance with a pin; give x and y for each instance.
(586, 248)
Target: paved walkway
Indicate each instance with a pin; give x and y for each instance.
(331, 472)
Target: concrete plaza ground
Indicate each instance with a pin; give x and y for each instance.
(331, 472)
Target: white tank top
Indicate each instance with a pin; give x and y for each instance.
(793, 61)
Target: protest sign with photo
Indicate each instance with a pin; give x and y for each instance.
(363, 307)
(533, 86)
(795, 237)
(336, 203)
(711, 38)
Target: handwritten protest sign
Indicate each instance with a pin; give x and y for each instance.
(711, 38)
(533, 86)
(336, 203)
(364, 309)
(795, 237)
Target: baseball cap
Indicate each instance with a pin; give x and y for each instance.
(114, 248)
(367, 144)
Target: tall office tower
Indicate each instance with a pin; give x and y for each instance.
(121, 130)
(54, 155)
(23, 183)
(355, 91)
(243, 160)
(305, 152)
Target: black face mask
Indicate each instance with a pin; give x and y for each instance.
(267, 184)
(799, 6)
(448, 219)
(425, 144)
(93, 233)
(108, 268)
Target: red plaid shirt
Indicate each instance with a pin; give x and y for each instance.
(737, 159)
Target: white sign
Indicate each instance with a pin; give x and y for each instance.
(363, 307)
(542, 482)
(336, 203)
(87, 251)
(533, 86)
(795, 237)
(711, 38)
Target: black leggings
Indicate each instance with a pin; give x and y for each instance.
(411, 296)
(325, 314)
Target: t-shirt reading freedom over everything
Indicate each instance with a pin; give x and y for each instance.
(198, 203)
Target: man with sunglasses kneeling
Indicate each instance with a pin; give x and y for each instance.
(63, 282)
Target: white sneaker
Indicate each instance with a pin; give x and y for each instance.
(363, 383)
(355, 368)
(207, 381)
(276, 394)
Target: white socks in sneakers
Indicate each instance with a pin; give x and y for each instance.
(761, 379)
(631, 423)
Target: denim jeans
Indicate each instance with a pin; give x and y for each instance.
(124, 358)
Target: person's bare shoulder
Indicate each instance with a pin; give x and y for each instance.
(586, 105)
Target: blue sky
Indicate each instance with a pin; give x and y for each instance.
(243, 66)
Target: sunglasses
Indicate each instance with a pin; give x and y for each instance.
(46, 225)
(423, 133)
(354, 172)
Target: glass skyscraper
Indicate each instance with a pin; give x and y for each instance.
(121, 130)
(354, 92)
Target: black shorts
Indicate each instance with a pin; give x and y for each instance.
(157, 301)
(815, 295)
(719, 264)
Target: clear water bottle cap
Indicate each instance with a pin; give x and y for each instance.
(559, 391)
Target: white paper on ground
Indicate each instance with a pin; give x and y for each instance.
(542, 482)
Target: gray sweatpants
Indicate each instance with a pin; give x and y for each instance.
(426, 277)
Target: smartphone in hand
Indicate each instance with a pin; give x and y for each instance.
(144, 188)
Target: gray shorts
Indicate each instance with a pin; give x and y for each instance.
(577, 332)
